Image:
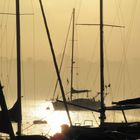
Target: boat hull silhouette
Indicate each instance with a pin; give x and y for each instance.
(79, 104)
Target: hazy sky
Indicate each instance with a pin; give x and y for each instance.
(121, 44)
(34, 41)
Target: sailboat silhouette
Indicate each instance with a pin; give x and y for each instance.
(76, 103)
(108, 130)
(15, 113)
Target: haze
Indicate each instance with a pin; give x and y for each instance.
(121, 44)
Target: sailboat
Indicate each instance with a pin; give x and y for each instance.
(8, 116)
(78, 103)
(15, 113)
(108, 130)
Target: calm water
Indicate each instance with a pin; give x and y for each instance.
(37, 110)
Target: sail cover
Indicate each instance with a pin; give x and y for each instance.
(74, 91)
(124, 107)
(128, 101)
(5, 124)
(13, 113)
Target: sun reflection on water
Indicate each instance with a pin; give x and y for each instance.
(53, 118)
(56, 119)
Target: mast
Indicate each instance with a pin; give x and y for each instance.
(102, 115)
(55, 62)
(72, 54)
(18, 66)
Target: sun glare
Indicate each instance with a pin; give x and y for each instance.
(55, 120)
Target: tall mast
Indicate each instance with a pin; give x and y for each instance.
(55, 62)
(72, 53)
(102, 115)
(18, 66)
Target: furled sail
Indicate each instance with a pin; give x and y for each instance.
(73, 91)
(124, 107)
(128, 101)
(13, 113)
(5, 123)
(125, 104)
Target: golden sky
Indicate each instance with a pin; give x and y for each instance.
(120, 44)
(58, 12)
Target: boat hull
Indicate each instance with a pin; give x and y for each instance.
(77, 104)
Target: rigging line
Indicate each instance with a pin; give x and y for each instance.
(131, 22)
(28, 127)
(8, 67)
(93, 58)
(128, 76)
(119, 7)
(6, 32)
(7, 49)
(54, 61)
(107, 60)
(119, 10)
(34, 54)
(78, 11)
(1, 53)
(77, 63)
(23, 77)
(131, 25)
(93, 52)
(108, 81)
(2, 40)
(107, 42)
(129, 33)
(10, 64)
(119, 4)
(96, 78)
(77, 56)
(125, 60)
(118, 81)
(6, 62)
(137, 89)
(2, 35)
(122, 75)
(32, 124)
(118, 78)
(61, 63)
(95, 118)
(2, 50)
